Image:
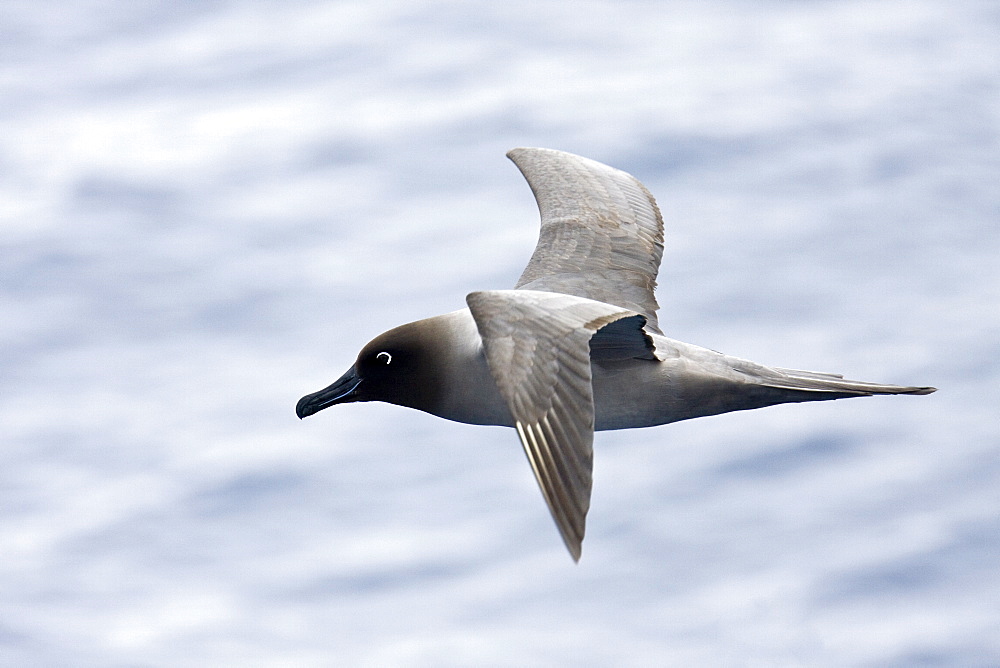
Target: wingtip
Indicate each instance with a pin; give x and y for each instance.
(517, 151)
(575, 551)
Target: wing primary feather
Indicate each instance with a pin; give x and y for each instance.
(581, 475)
(541, 460)
(553, 489)
(570, 481)
(565, 493)
(542, 475)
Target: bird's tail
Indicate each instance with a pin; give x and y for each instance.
(815, 381)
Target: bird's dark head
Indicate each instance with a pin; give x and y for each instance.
(400, 366)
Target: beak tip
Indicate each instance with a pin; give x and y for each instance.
(302, 408)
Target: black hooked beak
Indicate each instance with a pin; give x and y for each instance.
(341, 392)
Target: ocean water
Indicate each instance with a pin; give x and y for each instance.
(206, 209)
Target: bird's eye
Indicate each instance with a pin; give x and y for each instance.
(384, 357)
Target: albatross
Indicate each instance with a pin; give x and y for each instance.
(575, 347)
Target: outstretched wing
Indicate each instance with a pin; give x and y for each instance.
(601, 233)
(537, 345)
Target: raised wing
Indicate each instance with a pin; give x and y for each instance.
(537, 345)
(601, 232)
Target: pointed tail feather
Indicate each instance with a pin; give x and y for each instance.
(819, 375)
(812, 381)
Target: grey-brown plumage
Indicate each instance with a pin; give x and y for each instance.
(542, 342)
(601, 233)
(575, 347)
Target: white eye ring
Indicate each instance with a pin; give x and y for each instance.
(386, 356)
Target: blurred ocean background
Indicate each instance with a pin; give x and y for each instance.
(207, 208)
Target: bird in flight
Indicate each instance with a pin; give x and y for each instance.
(575, 347)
